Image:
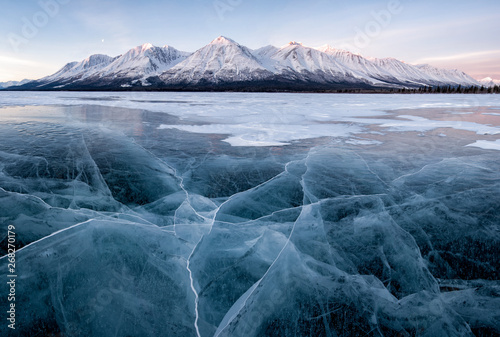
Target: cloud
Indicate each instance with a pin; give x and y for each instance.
(14, 68)
(6, 60)
(463, 56)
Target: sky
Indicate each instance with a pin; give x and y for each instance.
(38, 37)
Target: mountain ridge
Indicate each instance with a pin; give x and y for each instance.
(224, 64)
(4, 85)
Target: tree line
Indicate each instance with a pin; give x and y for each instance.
(452, 90)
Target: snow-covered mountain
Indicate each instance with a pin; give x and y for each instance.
(359, 64)
(391, 70)
(296, 61)
(127, 70)
(225, 64)
(143, 61)
(448, 76)
(489, 82)
(78, 70)
(222, 60)
(8, 84)
(225, 61)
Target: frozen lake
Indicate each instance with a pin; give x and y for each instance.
(250, 214)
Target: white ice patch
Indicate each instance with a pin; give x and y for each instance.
(420, 124)
(462, 113)
(487, 145)
(270, 135)
(363, 142)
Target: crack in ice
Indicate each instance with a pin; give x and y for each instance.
(256, 284)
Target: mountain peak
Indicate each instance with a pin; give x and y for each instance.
(325, 48)
(98, 57)
(223, 40)
(295, 43)
(146, 46)
(336, 51)
(329, 49)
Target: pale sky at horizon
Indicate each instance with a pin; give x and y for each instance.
(449, 34)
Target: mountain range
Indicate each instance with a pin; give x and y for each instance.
(224, 64)
(13, 83)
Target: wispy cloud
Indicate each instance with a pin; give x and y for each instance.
(477, 64)
(14, 68)
(17, 61)
(462, 56)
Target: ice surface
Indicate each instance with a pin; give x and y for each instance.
(273, 119)
(367, 222)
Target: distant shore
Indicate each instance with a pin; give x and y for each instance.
(427, 90)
